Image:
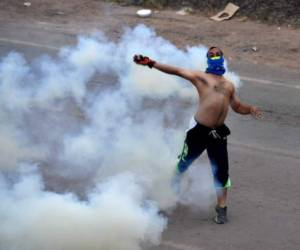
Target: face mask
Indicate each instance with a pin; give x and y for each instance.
(215, 65)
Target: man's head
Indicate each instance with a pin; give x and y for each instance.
(215, 61)
(214, 51)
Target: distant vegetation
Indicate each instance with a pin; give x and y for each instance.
(272, 11)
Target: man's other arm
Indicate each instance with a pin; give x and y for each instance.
(244, 109)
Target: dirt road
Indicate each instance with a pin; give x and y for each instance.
(264, 156)
(273, 45)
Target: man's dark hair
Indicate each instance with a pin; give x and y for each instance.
(214, 47)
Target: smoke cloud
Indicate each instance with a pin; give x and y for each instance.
(113, 217)
(89, 141)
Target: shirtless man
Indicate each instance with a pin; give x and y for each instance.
(208, 130)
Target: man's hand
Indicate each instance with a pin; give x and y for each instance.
(256, 112)
(143, 60)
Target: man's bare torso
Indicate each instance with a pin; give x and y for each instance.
(215, 93)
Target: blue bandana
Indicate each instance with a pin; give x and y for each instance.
(215, 65)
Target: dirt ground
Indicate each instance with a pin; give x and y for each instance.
(269, 11)
(241, 40)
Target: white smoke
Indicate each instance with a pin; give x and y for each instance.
(115, 216)
(92, 118)
(198, 187)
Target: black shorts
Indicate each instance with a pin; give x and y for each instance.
(214, 141)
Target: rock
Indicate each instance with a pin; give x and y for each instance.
(185, 11)
(243, 19)
(144, 13)
(27, 4)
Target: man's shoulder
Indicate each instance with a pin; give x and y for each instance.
(201, 77)
(228, 82)
(211, 79)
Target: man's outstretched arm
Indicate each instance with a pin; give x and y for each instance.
(244, 109)
(184, 73)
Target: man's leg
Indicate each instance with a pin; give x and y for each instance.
(192, 148)
(218, 156)
(222, 197)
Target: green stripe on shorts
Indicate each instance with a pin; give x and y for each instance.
(228, 183)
